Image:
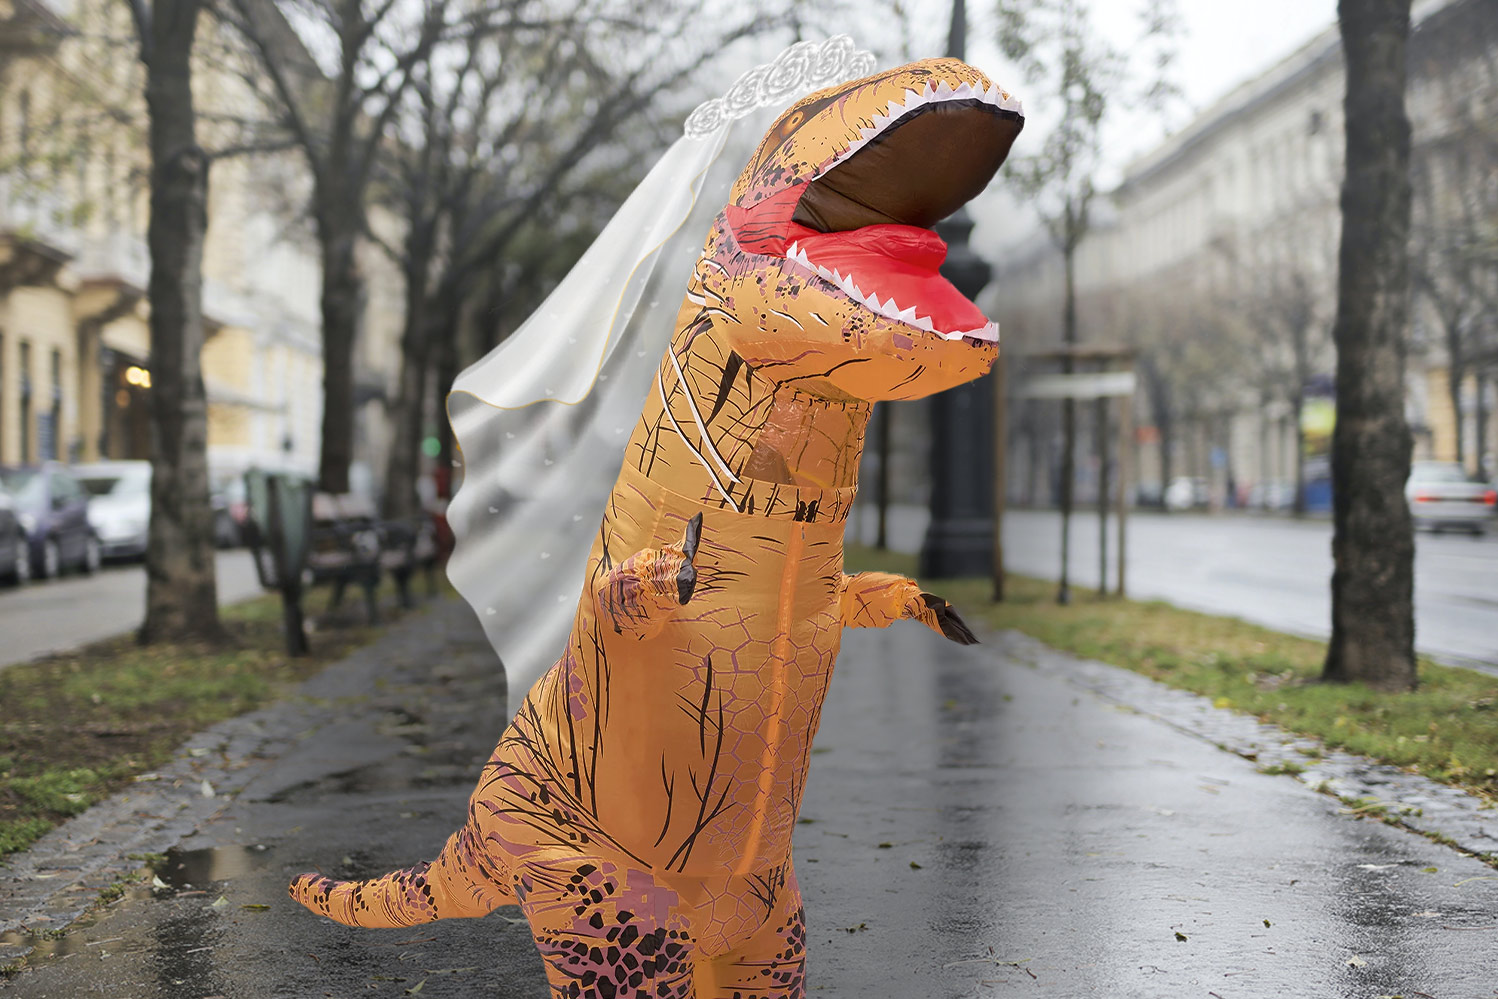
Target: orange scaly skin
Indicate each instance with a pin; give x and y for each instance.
(640, 806)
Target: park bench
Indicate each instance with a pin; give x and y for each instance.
(300, 538)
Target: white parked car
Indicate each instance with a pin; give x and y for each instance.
(119, 505)
(1186, 493)
(1441, 496)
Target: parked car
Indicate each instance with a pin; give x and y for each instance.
(53, 510)
(15, 556)
(119, 506)
(1441, 496)
(1185, 493)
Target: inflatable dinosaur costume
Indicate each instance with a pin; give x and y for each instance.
(639, 808)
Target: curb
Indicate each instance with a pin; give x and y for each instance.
(1444, 813)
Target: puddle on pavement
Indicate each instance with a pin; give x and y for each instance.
(40, 944)
(188, 869)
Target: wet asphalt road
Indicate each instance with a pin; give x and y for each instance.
(972, 827)
(59, 614)
(1271, 570)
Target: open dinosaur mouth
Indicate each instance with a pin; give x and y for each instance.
(863, 220)
(894, 270)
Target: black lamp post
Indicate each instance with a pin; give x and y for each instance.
(960, 538)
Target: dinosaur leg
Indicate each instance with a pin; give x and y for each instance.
(462, 882)
(771, 964)
(607, 929)
(878, 599)
(638, 595)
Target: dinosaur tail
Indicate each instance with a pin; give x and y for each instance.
(461, 882)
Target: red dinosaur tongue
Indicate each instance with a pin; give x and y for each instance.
(894, 269)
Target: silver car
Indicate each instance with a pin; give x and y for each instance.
(119, 505)
(1441, 496)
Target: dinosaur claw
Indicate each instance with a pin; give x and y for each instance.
(952, 626)
(686, 576)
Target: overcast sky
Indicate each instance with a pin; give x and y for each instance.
(1222, 44)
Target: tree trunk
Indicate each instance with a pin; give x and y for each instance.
(448, 366)
(1454, 372)
(881, 533)
(1068, 425)
(1298, 431)
(409, 409)
(342, 308)
(1373, 550)
(181, 585)
(1481, 443)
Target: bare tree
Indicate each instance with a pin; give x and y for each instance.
(530, 124)
(1454, 269)
(1084, 75)
(1285, 299)
(339, 119)
(181, 588)
(1373, 625)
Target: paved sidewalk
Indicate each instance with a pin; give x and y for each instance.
(977, 823)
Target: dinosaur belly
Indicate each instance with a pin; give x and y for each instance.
(688, 749)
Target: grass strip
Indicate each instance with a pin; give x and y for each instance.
(1446, 730)
(76, 727)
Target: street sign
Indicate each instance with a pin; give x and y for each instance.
(1081, 385)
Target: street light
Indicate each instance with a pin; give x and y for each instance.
(960, 537)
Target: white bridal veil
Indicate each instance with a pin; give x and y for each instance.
(541, 421)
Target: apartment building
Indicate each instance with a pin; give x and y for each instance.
(74, 204)
(1216, 256)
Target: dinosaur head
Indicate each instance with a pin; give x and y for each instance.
(824, 263)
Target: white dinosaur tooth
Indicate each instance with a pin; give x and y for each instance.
(896, 109)
(913, 100)
(964, 91)
(908, 315)
(925, 323)
(868, 133)
(880, 122)
(943, 90)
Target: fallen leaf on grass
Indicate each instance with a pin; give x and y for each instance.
(416, 988)
(914, 866)
(257, 906)
(1180, 936)
(218, 903)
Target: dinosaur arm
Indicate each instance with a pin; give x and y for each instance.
(638, 595)
(878, 599)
